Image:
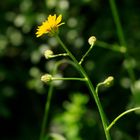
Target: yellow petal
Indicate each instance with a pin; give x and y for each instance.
(58, 20)
(54, 17)
(51, 20)
(50, 17)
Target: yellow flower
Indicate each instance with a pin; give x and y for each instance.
(50, 26)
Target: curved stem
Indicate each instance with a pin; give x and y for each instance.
(91, 88)
(97, 87)
(121, 115)
(48, 101)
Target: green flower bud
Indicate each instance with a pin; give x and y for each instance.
(46, 78)
(109, 81)
(92, 40)
(48, 54)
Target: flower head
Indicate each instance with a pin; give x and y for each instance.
(50, 26)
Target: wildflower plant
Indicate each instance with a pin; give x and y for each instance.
(51, 28)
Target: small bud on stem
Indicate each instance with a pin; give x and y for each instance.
(48, 54)
(108, 81)
(46, 78)
(92, 40)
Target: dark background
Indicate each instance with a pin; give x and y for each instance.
(23, 95)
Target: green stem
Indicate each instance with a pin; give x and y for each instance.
(91, 88)
(71, 78)
(97, 87)
(102, 114)
(57, 55)
(117, 22)
(48, 101)
(121, 115)
(116, 48)
(90, 48)
(47, 106)
(122, 39)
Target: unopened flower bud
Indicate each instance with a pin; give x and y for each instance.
(48, 54)
(92, 40)
(46, 78)
(108, 81)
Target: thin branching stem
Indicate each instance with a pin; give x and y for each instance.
(90, 86)
(120, 116)
(58, 55)
(84, 56)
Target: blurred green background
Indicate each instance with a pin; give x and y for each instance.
(73, 113)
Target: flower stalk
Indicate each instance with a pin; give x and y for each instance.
(120, 116)
(91, 42)
(90, 86)
(69, 79)
(46, 112)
